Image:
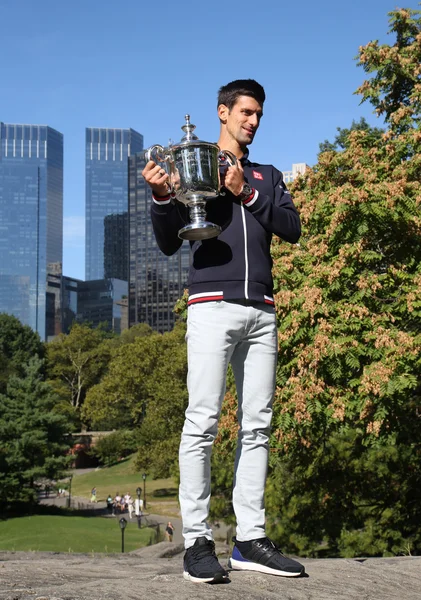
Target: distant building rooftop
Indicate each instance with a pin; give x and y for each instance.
(297, 169)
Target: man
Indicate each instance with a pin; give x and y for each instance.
(231, 319)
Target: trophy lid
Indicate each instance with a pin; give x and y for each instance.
(190, 137)
(188, 129)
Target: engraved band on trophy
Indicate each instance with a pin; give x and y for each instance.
(193, 169)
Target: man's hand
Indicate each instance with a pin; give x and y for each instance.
(157, 179)
(234, 179)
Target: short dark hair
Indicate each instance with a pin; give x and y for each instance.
(228, 94)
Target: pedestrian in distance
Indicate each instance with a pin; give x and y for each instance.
(231, 319)
(130, 504)
(169, 531)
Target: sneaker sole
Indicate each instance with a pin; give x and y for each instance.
(240, 565)
(217, 578)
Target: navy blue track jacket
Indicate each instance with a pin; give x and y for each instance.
(237, 264)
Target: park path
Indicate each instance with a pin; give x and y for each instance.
(80, 503)
(221, 531)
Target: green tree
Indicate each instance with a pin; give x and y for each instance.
(75, 363)
(140, 330)
(33, 436)
(118, 400)
(111, 447)
(145, 388)
(395, 88)
(18, 343)
(341, 140)
(345, 466)
(165, 405)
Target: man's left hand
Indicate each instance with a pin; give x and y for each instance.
(234, 179)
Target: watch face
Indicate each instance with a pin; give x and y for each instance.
(246, 191)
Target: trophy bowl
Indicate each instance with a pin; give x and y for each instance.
(193, 169)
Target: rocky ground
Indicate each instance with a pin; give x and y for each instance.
(156, 572)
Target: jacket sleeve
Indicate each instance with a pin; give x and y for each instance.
(277, 215)
(167, 218)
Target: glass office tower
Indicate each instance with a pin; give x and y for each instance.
(107, 243)
(31, 220)
(156, 281)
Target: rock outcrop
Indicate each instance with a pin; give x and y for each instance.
(155, 573)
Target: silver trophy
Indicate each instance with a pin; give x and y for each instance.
(193, 169)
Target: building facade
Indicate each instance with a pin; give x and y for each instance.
(31, 221)
(297, 169)
(107, 243)
(156, 281)
(97, 302)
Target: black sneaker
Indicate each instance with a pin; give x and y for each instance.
(262, 555)
(201, 564)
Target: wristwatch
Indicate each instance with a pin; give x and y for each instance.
(246, 192)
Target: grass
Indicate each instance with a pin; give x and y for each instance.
(161, 494)
(70, 534)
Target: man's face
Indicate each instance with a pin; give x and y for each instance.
(242, 121)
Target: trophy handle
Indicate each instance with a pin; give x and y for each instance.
(158, 154)
(225, 157)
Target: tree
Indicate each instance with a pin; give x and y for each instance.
(145, 388)
(166, 401)
(18, 343)
(117, 401)
(342, 138)
(76, 362)
(345, 466)
(113, 446)
(395, 89)
(140, 330)
(34, 441)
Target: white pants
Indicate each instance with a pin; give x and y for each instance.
(219, 333)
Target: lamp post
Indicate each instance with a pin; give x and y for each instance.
(144, 490)
(122, 524)
(139, 512)
(69, 500)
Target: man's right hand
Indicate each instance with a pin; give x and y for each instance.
(157, 179)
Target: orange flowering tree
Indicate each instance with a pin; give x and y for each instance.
(345, 467)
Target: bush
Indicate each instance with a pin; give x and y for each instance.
(114, 446)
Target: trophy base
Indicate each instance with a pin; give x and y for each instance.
(199, 231)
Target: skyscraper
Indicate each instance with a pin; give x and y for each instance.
(31, 220)
(107, 152)
(156, 281)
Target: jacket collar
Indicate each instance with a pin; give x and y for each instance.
(245, 158)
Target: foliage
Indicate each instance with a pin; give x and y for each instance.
(18, 343)
(140, 330)
(76, 362)
(117, 401)
(34, 441)
(165, 405)
(342, 138)
(395, 89)
(113, 446)
(181, 306)
(345, 466)
(145, 387)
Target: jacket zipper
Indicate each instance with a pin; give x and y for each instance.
(246, 261)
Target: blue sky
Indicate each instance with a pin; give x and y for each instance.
(103, 63)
